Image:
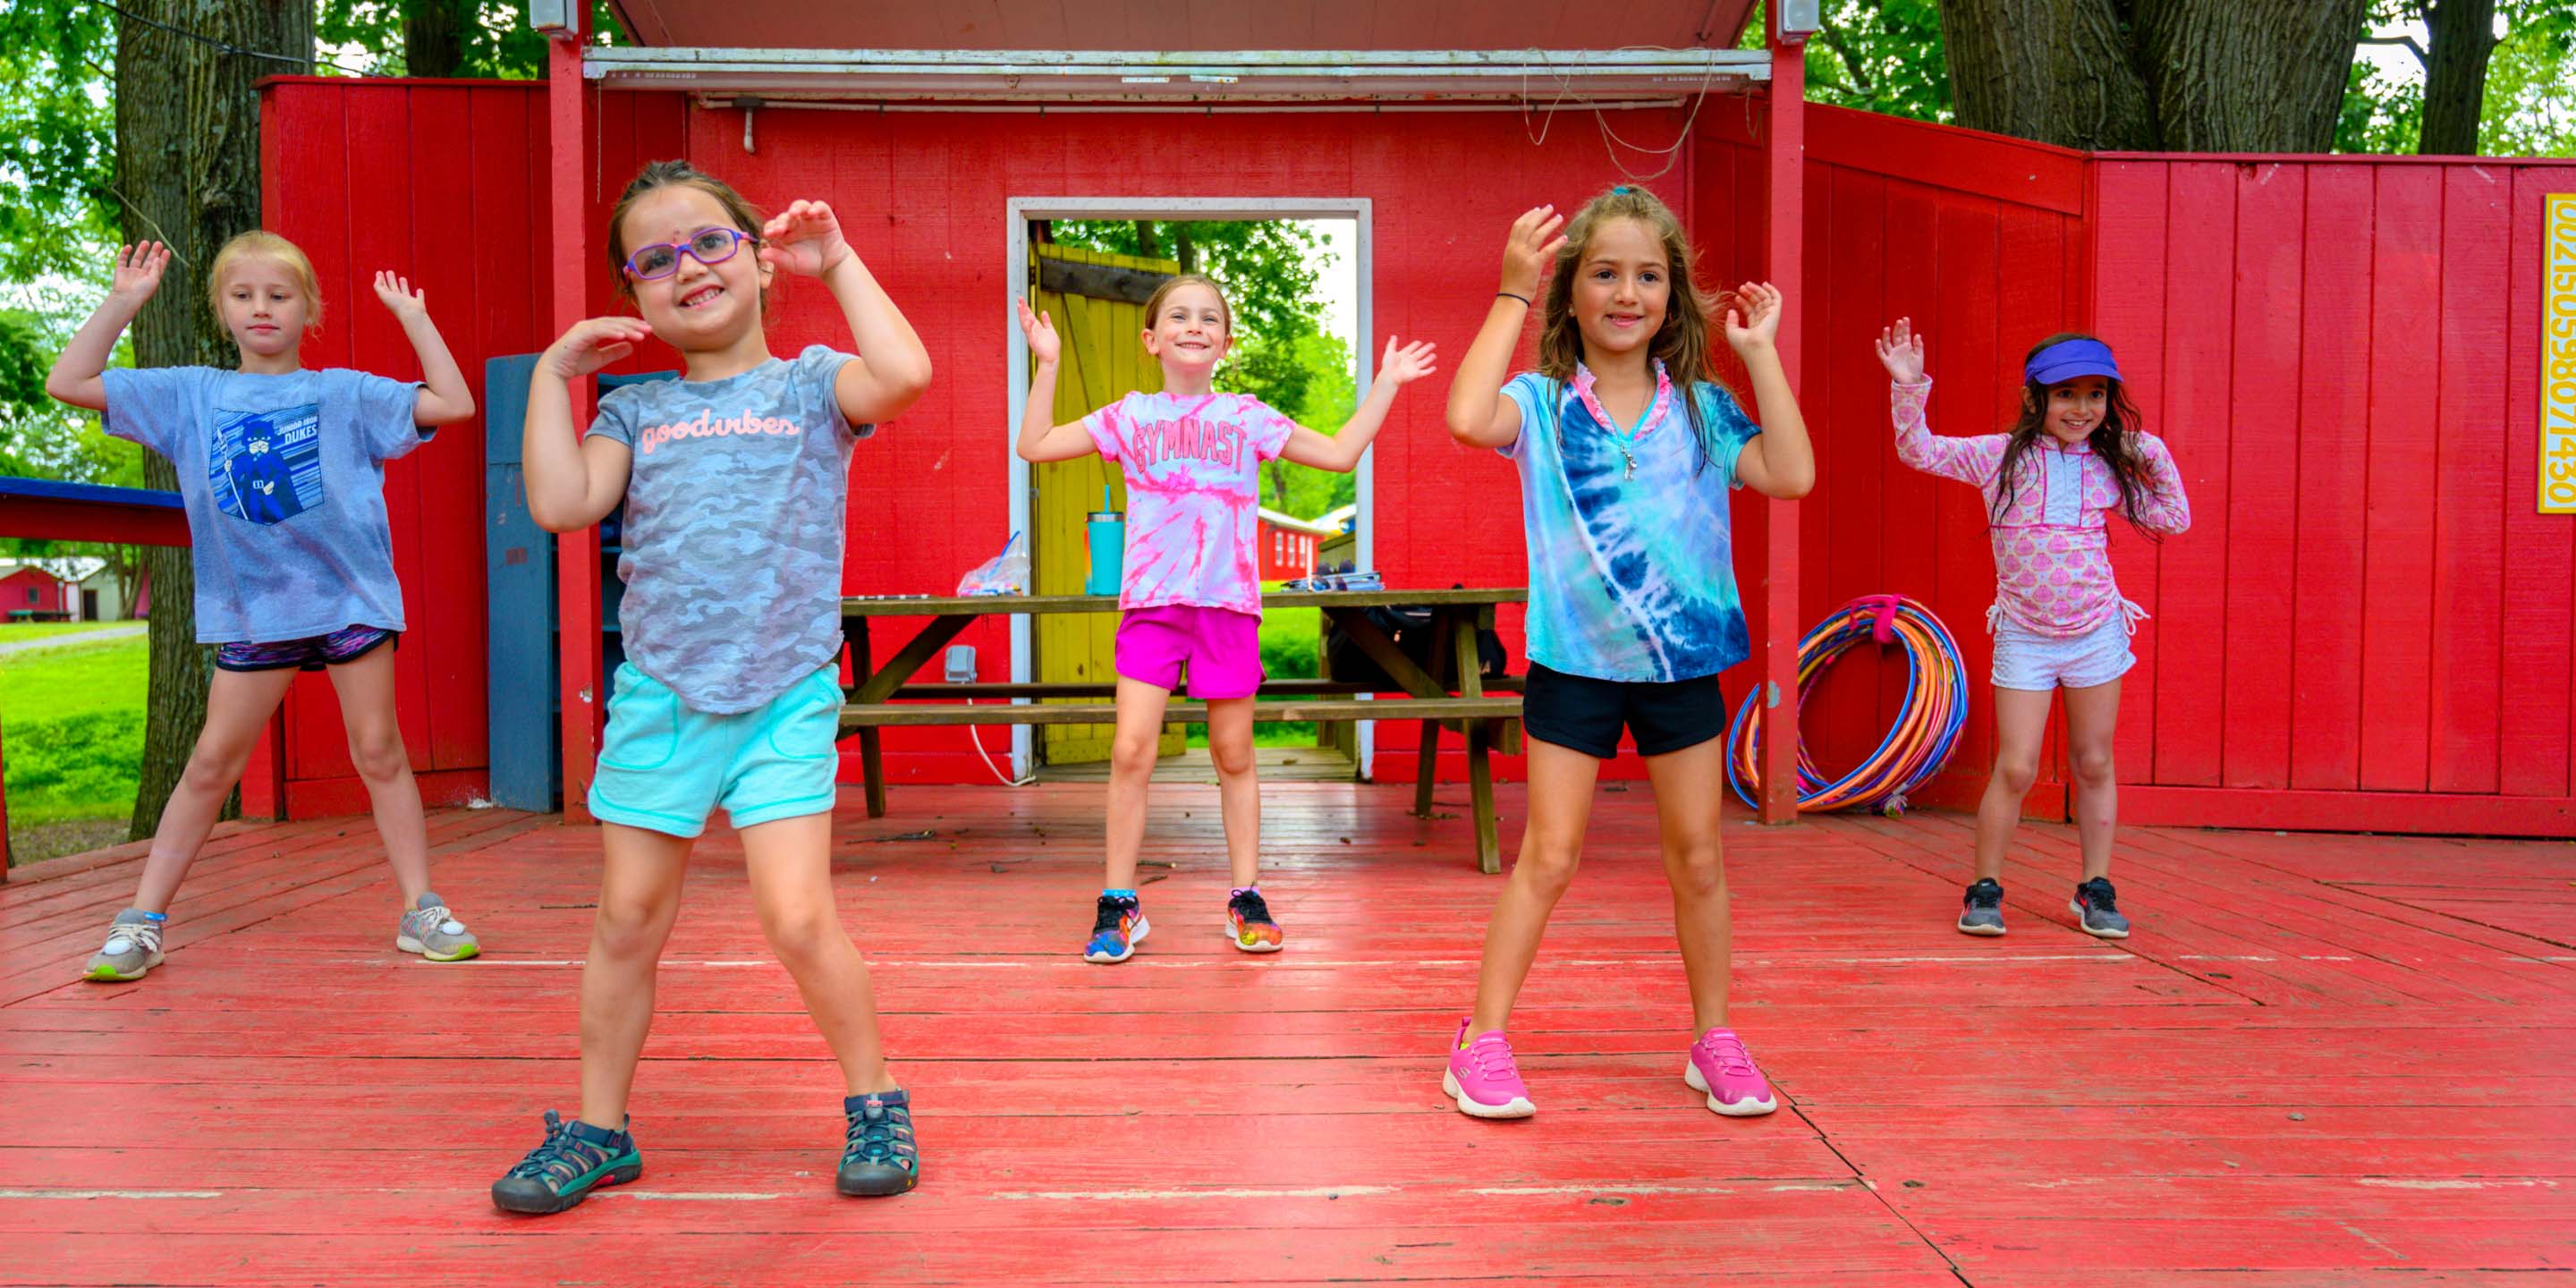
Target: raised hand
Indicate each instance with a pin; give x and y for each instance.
(397, 294)
(138, 270)
(1529, 252)
(804, 239)
(1044, 346)
(1405, 365)
(1901, 348)
(593, 344)
(1753, 320)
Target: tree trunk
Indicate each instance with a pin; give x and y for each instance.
(2058, 71)
(2172, 75)
(187, 173)
(2455, 75)
(434, 37)
(2247, 75)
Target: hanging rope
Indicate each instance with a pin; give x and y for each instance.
(1915, 747)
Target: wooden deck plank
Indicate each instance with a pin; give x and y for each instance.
(2326, 1062)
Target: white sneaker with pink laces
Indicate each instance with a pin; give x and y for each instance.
(1720, 1066)
(1482, 1077)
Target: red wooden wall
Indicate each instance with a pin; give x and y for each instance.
(30, 589)
(2369, 625)
(1978, 239)
(438, 181)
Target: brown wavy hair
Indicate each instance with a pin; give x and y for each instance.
(1681, 344)
(657, 175)
(2109, 440)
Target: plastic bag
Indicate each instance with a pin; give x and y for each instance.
(1004, 574)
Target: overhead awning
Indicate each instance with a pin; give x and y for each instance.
(1183, 76)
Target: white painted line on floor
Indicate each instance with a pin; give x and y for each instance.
(2404, 1183)
(682, 1196)
(1313, 1192)
(111, 1194)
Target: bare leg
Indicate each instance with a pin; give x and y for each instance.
(1560, 806)
(1132, 753)
(2092, 716)
(238, 705)
(366, 687)
(2021, 720)
(639, 898)
(1686, 808)
(790, 864)
(1238, 788)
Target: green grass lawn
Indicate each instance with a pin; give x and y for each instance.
(22, 632)
(71, 726)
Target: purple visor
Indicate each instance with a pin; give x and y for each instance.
(2067, 359)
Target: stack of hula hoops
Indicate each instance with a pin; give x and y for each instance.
(1915, 747)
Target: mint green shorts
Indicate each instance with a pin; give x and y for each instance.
(664, 767)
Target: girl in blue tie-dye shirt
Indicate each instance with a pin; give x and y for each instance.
(1627, 451)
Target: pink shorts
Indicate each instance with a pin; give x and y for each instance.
(1219, 648)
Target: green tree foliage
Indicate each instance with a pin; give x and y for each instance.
(56, 137)
(484, 38)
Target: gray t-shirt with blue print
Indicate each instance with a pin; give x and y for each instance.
(283, 477)
(736, 510)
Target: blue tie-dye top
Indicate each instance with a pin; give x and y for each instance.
(1631, 573)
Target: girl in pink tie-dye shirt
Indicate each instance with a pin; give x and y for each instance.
(1192, 592)
(2076, 455)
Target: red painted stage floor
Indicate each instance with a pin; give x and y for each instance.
(2323, 1060)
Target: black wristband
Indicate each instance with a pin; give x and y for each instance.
(1507, 295)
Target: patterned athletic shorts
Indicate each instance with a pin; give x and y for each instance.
(309, 654)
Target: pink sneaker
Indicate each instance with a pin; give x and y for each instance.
(1483, 1079)
(1720, 1066)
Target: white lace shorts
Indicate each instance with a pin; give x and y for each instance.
(2025, 659)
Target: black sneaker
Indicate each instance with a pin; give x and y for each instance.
(880, 1158)
(1248, 923)
(574, 1159)
(1984, 910)
(2097, 906)
(1117, 926)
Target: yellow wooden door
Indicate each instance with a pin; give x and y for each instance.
(1103, 361)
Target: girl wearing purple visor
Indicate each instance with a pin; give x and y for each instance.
(2076, 454)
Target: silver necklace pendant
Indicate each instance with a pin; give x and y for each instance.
(1632, 460)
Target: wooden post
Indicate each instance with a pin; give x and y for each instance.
(576, 553)
(1780, 572)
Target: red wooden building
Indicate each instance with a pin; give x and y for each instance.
(32, 592)
(2341, 351)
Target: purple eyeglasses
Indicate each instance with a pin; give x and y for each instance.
(707, 246)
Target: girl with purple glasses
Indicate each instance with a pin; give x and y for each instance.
(2077, 454)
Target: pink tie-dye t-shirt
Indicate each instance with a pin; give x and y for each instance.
(1193, 467)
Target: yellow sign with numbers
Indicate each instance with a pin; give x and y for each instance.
(2558, 353)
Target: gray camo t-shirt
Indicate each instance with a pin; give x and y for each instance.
(735, 515)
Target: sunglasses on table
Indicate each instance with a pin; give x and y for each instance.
(707, 246)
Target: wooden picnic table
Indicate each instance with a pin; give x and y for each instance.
(1452, 693)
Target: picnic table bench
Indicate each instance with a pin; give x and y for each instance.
(1453, 693)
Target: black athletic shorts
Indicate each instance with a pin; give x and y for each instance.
(1586, 715)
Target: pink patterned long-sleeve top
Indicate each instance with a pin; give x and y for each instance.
(2052, 546)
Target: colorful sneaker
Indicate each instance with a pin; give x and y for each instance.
(2098, 906)
(880, 1158)
(133, 947)
(433, 931)
(575, 1158)
(1720, 1066)
(1116, 928)
(1984, 910)
(1248, 923)
(1483, 1078)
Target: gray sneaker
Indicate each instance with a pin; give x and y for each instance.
(2099, 907)
(1983, 910)
(433, 931)
(133, 947)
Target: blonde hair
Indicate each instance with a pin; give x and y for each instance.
(1154, 302)
(259, 243)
